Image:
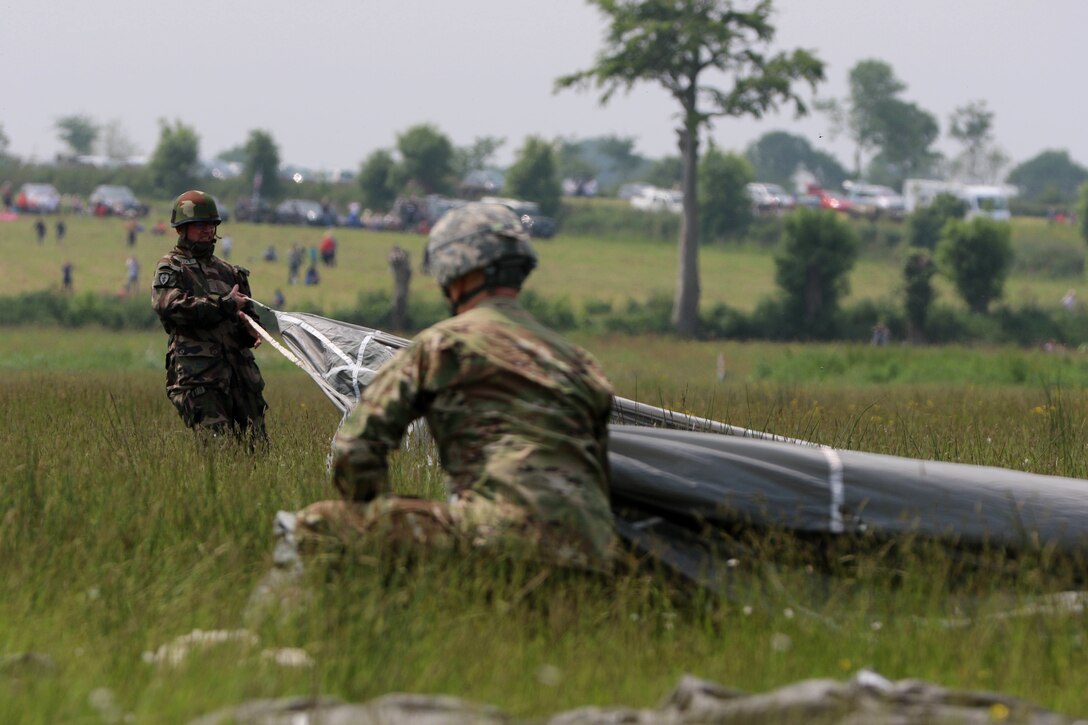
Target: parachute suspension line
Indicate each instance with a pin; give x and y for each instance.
(272, 341)
(359, 365)
(835, 483)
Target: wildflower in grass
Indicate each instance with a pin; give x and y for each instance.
(549, 675)
(781, 642)
(845, 665)
(747, 610)
(999, 712)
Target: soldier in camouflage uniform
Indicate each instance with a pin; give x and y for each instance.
(519, 415)
(211, 376)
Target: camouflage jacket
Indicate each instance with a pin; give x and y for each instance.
(520, 416)
(189, 295)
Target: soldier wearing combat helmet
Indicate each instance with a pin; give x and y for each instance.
(519, 415)
(211, 376)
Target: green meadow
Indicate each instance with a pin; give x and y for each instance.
(118, 533)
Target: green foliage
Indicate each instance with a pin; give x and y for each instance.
(925, 223)
(48, 308)
(818, 251)
(476, 156)
(665, 173)
(610, 218)
(725, 209)
(376, 179)
(1082, 211)
(918, 271)
(976, 256)
(78, 132)
(262, 156)
(426, 159)
(1051, 177)
(174, 164)
(611, 160)
(532, 176)
(776, 156)
(672, 44)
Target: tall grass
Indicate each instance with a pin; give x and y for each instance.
(119, 533)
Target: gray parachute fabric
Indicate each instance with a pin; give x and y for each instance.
(675, 475)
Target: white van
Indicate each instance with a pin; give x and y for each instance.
(982, 200)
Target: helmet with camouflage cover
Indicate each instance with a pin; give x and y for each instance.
(488, 237)
(194, 206)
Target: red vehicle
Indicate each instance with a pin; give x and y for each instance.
(830, 200)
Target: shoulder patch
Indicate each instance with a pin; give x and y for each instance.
(167, 275)
(242, 271)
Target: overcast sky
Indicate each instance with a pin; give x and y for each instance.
(333, 80)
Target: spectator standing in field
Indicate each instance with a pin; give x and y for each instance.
(1069, 300)
(312, 277)
(226, 244)
(294, 263)
(132, 275)
(39, 230)
(519, 414)
(211, 376)
(278, 300)
(6, 194)
(66, 276)
(132, 229)
(328, 249)
(61, 229)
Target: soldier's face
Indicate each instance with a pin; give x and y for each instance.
(200, 232)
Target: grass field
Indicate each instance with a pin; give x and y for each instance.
(118, 534)
(575, 268)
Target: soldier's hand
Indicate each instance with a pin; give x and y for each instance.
(257, 339)
(237, 297)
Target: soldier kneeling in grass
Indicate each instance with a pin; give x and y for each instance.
(519, 415)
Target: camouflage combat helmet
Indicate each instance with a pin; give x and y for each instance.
(482, 236)
(194, 206)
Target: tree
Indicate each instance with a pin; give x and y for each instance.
(878, 120)
(175, 161)
(532, 175)
(976, 256)
(376, 180)
(819, 249)
(4, 141)
(918, 273)
(924, 225)
(1051, 176)
(727, 210)
(905, 135)
(777, 156)
(972, 126)
(476, 156)
(115, 143)
(872, 83)
(1082, 210)
(666, 172)
(426, 158)
(262, 161)
(677, 44)
(78, 132)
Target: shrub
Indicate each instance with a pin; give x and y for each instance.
(924, 225)
(976, 256)
(811, 269)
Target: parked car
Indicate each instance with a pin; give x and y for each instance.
(107, 199)
(874, 201)
(539, 226)
(769, 199)
(820, 198)
(304, 211)
(37, 199)
(654, 199)
(256, 212)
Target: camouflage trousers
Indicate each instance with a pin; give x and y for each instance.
(237, 410)
(336, 527)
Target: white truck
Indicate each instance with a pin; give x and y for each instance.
(985, 200)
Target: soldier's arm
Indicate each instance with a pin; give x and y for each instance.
(244, 333)
(177, 306)
(397, 396)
